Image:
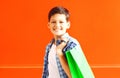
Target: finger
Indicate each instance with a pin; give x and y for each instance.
(61, 46)
(65, 41)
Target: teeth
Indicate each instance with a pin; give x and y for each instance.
(56, 29)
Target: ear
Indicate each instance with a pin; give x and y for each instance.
(48, 24)
(68, 24)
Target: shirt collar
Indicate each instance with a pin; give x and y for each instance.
(66, 35)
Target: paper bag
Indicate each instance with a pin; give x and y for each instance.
(78, 64)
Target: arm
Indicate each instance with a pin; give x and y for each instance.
(62, 59)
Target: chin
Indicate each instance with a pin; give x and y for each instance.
(58, 34)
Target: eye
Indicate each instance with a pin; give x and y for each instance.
(53, 22)
(61, 22)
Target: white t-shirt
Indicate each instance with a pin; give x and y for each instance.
(52, 66)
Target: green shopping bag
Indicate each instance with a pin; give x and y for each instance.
(78, 64)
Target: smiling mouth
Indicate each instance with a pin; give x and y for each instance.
(57, 29)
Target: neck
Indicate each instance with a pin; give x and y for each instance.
(58, 37)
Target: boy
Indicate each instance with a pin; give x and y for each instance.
(55, 63)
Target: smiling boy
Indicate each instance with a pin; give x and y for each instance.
(55, 63)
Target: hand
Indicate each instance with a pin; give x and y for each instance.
(60, 47)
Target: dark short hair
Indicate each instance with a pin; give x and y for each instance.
(58, 10)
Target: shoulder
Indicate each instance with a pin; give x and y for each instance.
(73, 42)
(48, 46)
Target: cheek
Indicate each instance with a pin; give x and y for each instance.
(65, 26)
(50, 28)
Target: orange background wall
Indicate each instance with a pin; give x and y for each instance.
(24, 35)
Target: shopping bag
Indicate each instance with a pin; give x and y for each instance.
(78, 64)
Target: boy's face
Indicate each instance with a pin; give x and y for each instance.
(58, 24)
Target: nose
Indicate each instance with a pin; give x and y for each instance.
(57, 24)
